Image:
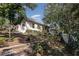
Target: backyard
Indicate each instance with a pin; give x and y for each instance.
(39, 29)
(38, 45)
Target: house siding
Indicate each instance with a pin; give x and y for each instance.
(29, 26)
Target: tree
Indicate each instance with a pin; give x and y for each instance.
(2, 21)
(15, 13)
(66, 15)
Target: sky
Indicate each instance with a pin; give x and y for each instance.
(37, 13)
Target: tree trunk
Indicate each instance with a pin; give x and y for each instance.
(10, 32)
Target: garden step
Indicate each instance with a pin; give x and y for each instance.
(13, 50)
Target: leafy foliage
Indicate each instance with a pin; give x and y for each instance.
(15, 12)
(67, 16)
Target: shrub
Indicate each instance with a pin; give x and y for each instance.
(2, 40)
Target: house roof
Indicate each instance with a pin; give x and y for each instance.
(33, 21)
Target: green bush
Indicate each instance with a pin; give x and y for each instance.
(2, 40)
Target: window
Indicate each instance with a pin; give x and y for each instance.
(38, 26)
(33, 25)
(23, 25)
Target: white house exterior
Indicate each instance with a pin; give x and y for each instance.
(29, 25)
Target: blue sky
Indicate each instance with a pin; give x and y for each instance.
(37, 13)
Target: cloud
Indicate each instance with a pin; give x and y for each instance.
(35, 16)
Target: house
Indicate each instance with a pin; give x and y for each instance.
(30, 24)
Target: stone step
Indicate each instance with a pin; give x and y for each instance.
(13, 50)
